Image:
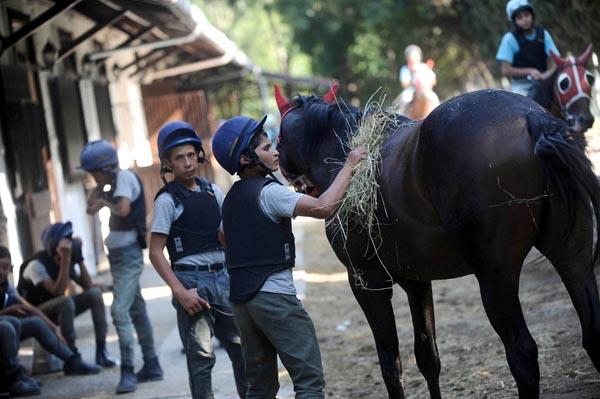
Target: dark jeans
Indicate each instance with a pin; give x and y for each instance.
(196, 332)
(128, 308)
(35, 327)
(63, 309)
(10, 331)
(277, 324)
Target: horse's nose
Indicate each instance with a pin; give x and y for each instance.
(586, 121)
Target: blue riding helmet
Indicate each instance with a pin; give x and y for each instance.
(232, 138)
(98, 155)
(52, 235)
(177, 133)
(513, 7)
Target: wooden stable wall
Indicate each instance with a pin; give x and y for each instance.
(191, 107)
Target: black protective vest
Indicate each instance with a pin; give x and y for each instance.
(532, 53)
(135, 220)
(197, 228)
(37, 294)
(256, 246)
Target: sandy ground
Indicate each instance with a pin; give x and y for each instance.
(472, 356)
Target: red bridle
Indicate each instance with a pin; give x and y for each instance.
(572, 83)
(301, 183)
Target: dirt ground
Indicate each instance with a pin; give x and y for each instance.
(472, 356)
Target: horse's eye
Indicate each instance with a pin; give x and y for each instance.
(590, 78)
(564, 82)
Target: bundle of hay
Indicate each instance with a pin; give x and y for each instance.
(359, 205)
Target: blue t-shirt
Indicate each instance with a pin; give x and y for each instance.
(8, 295)
(509, 46)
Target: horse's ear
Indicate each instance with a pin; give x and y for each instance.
(585, 57)
(329, 97)
(282, 102)
(557, 60)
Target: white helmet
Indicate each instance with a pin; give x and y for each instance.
(514, 6)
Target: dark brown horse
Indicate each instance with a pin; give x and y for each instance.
(567, 93)
(469, 189)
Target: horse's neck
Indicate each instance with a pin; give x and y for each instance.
(423, 103)
(544, 95)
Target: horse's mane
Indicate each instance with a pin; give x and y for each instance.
(323, 119)
(542, 91)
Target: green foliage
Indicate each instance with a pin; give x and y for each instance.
(361, 44)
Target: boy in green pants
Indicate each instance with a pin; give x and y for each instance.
(260, 254)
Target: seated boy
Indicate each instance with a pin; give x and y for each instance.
(44, 280)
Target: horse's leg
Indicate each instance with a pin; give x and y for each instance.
(500, 294)
(377, 307)
(584, 294)
(576, 271)
(420, 300)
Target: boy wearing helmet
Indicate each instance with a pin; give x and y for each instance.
(122, 192)
(187, 221)
(260, 253)
(44, 279)
(524, 53)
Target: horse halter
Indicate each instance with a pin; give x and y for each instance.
(301, 183)
(573, 80)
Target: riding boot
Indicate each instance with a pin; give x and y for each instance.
(22, 375)
(151, 371)
(128, 382)
(103, 357)
(76, 366)
(19, 385)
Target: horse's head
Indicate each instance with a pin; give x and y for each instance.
(312, 129)
(573, 90)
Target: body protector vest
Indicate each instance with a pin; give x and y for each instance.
(197, 228)
(256, 245)
(532, 53)
(37, 294)
(135, 220)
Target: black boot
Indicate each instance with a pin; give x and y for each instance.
(22, 375)
(151, 371)
(128, 382)
(19, 385)
(76, 366)
(102, 357)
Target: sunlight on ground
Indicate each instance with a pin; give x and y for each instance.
(320, 277)
(148, 293)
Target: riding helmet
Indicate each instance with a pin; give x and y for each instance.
(513, 7)
(232, 138)
(98, 155)
(177, 133)
(52, 235)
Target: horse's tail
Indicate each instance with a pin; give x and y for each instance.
(568, 173)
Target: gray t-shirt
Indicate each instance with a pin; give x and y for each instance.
(129, 187)
(276, 202)
(165, 213)
(36, 272)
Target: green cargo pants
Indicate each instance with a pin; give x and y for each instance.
(277, 324)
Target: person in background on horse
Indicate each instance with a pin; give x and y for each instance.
(27, 321)
(260, 254)
(524, 53)
(44, 281)
(414, 60)
(187, 221)
(127, 237)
